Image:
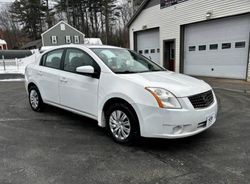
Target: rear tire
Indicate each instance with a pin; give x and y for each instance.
(122, 123)
(35, 99)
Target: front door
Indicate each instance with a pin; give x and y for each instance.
(77, 91)
(169, 55)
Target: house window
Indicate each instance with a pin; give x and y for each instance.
(68, 39)
(226, 46)
(62, 27)
(140, 52)
(240, 44)
(158, 50)
(202, 47)
(77, 40)
(191, 48)
(146, 51)
(213, 46)
(152, 51)
(54, 39)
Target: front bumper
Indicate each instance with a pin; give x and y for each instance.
(176, 123)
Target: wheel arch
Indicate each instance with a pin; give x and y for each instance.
(112, 100)
(31, 84)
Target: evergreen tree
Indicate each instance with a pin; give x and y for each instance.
(30, 14)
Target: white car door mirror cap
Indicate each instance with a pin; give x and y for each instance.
(85, 69)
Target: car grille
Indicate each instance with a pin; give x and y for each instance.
(202, 100)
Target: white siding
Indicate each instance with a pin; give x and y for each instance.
(169, 19)
(248, 79)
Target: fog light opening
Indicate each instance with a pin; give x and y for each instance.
(178, 129)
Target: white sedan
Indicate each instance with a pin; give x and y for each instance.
(125, 92)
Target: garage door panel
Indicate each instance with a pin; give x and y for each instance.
(233, 71)
(219, 58)
(229, 62)
(148, 40)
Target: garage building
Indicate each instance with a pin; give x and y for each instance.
(196, 37)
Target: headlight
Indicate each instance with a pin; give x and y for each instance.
(164, 98)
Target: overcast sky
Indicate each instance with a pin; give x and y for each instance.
(5, 2)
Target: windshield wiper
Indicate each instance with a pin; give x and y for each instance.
(125, 72)
(157, 70)
(152, 71)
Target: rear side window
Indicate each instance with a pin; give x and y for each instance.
(75, 58)
(53, 59)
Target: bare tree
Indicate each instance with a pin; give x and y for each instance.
(126, 12)
(10, 28)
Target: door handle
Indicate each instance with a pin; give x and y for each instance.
(40, 73)
(63, 79)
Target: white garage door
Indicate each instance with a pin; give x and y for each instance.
(148, 44)
(217, 48)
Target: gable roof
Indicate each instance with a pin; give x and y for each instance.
(64, 23)
(36, 43)
(143, 4)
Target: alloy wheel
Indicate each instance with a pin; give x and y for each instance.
(119, 125)
(34, 99)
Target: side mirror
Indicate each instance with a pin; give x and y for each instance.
(85, 69)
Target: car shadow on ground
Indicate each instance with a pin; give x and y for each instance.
(89, 125)
(172, 144)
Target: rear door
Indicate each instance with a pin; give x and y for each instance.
(48, 75)
(77, 91)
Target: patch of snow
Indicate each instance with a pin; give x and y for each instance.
(11, 80)
(18, 66)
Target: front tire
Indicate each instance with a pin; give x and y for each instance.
(35, 99)
(122, 123)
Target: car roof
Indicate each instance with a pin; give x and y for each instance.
(81, 45)
(44, 50)
(102, 46)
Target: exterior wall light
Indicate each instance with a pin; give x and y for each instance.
(144, 27)
(209, 15)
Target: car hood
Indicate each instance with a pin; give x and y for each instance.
(178, 84)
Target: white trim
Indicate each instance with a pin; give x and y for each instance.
(64, 23)
(42, 41)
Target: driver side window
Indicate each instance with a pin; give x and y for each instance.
(75, 58)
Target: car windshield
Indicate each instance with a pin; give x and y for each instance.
(125, 61)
